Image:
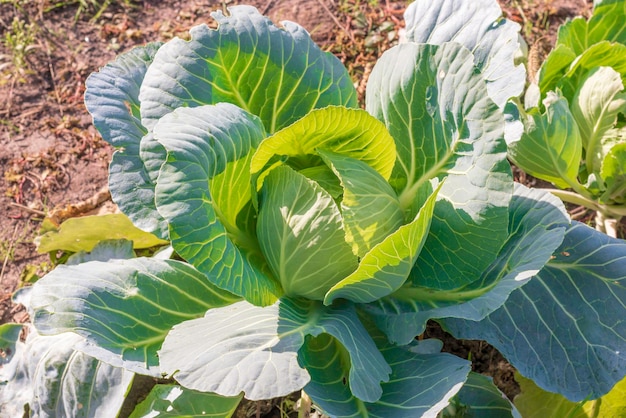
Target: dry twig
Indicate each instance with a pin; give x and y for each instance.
(8, 254)
(337, 22)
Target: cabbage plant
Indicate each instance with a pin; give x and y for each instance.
(575, 116)
(312, 240)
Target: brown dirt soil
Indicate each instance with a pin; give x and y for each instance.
(51, 155)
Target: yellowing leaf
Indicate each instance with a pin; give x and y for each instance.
(82, 234)
(534, 402)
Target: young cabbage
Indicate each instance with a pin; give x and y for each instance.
(576, 137)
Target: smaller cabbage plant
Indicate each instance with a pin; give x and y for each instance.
(312, 240)
(575, 116)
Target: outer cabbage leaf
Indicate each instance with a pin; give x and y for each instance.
(54, 380)
(9, 336)
(480, 398)
(255, 350)
(328, 365)
(278, 74)
(564, 329)
(535, 217)
(132, 178)
(112, 98)
(106, 250)
(480, 27)
(436, 107)
(124, 309)
(421, 383)
(300, 231)
(176, 401)
(595, 108)
(551, 146)
(204, 192)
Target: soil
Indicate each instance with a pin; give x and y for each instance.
(52, 156)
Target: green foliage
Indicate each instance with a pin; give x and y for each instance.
(19, 40)
(313, 241)
(575, 123)
(533, 402)
(9, 335)
(176, 401)
(93, 7)
(479, 398)
(53, 379)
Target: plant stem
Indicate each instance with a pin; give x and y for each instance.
(611, 211)
(432, 296)
(305, 405)
(573, 197)
(607, 225)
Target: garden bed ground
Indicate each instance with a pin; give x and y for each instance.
(51, 156)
